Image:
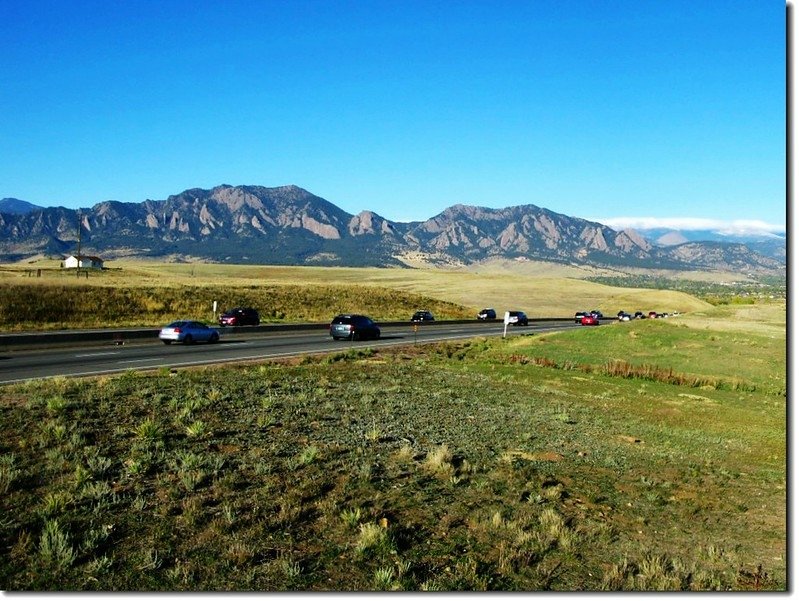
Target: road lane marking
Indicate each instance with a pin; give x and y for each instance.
(140, 360)
(98, 354)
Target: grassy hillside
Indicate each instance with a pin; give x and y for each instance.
(188, 290)
(533, 463)
(78, 305)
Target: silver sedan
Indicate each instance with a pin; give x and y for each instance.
(187, 332)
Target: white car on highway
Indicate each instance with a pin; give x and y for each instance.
(188, 332)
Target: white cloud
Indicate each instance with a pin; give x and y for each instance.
(740, 227)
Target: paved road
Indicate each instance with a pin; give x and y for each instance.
(16, 366)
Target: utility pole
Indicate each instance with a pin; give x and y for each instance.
(79, 228)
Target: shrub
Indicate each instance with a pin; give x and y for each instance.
(371, 537)
(439, 461)
(55, 550)
(8, 471)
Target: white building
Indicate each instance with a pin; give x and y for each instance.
(83, 262)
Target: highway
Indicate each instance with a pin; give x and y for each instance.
(242, 346)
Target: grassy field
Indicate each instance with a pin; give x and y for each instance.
(148, 294)
(533, 463)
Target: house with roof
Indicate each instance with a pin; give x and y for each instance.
(83, 262)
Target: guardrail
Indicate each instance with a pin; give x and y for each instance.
(121, 336)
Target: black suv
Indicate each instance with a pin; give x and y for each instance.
(240, 316)
(487, 314)
(354, 327)
(423, 316)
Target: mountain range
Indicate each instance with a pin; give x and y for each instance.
(769, 244)
(290, 226)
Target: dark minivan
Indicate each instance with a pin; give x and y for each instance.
(354, 327)
(423, 316)
(487, 314)
(517, 318)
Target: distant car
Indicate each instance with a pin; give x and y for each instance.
(653, 314)
(579, 316)
(240, 316)
(625, 317)
(589, 320)
(486, 314)
(638, 315)
(597, 313)
(354, 327)
(517, 318)
(423, 316)
(188, 332)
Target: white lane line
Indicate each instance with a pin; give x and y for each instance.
(139, 360)
(98, 354)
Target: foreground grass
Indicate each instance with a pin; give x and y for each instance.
(449, 467)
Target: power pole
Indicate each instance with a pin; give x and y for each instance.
(79, 228)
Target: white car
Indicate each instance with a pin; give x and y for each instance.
(188, 332)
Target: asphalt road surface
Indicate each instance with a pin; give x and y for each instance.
(92, 360)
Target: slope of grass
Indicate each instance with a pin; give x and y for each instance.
(446, 291)
(56, 306)
(741, 356)
(448, 467)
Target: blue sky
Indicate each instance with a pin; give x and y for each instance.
(603, 110)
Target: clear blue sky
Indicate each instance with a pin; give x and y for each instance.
(664, 109)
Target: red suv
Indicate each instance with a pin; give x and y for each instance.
(589, 320)
(240, 316)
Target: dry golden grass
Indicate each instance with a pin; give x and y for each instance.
(539, 289)
(766, 318)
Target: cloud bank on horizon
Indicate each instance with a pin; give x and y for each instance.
(738, 227)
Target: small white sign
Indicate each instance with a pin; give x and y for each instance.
(507, 317)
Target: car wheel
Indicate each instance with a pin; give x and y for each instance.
(188, 339)
(214, 338)
(336, 338)
(167, 341)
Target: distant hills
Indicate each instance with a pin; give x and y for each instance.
(288, 225)
(768, 244)
(15, 206)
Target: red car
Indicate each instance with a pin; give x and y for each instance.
(589, 320)
(240, 316)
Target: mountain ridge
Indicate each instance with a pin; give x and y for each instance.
(289, 225)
